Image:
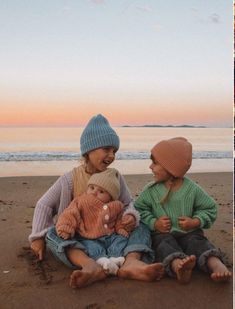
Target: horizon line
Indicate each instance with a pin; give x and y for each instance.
(198, 126)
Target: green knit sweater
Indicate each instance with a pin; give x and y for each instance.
(189, 200)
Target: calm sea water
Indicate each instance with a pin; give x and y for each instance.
(53, 151)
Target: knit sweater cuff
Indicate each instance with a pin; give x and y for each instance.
(152, 224)
(202, 222)
(134, 212)
(37, 235)
(64, 228)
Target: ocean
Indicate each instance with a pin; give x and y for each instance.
(30, 151)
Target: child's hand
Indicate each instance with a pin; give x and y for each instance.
(187, 223)
(38, 247)
(129, 222)
(163, 224)
(64, 234)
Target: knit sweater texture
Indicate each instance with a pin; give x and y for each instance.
(59, 196)
(90, 217)
(189, 200)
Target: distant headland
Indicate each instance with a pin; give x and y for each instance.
(162, 126)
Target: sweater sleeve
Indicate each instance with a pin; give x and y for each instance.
(48, 205)
(122, 229)
(205, 208)
(143, 205)
(69, 220)
(126, 198)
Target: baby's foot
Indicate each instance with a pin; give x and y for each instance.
(103, 262)
(119, 261)
(183, 268)
(108, 266)
(112, 268)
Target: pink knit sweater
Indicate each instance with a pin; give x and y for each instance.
(90, 217)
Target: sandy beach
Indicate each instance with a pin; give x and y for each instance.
(27, 284)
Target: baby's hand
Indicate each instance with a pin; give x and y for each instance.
(187, 223)
(64, 235)
(123, 232)
(129, 222)
(163, 224)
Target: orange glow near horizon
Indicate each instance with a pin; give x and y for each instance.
(136, 111)
(42, 117)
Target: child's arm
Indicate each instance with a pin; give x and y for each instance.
(143, 205)
(58, 195)
(204, 210)
(126, 198)
(68, 221)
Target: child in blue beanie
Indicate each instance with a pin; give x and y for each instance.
(99, 144)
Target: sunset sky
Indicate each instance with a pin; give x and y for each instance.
(136, 62)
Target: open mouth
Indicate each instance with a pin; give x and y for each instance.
(107, 162)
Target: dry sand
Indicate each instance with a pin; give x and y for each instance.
(24, 283)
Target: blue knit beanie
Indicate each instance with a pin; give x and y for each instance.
(97, 134)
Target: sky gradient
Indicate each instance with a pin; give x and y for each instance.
(136, 62)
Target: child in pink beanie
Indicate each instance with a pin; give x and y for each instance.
(177, 210)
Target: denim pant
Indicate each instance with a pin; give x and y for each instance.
(106, 246)
(167, 247)
(138, 241)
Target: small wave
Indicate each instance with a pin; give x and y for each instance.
(125, 155)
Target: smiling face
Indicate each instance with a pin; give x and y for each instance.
(99, 159)
(99, 193)
(159, 172)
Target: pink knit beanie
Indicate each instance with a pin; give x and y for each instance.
(174, 154)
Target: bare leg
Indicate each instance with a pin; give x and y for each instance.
(90, 272)
(134, 268)
(219, 271)
(183, 268)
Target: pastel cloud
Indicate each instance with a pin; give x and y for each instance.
(213, 18)
(97, 2)
(145, 8)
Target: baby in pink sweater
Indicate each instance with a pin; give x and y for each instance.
(95, 219)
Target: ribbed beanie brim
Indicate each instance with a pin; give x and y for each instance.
(97, 134)
(175, 155)
(108, 180)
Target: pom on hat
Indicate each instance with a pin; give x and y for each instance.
(108, 180)
(98, 133)
(174, 154)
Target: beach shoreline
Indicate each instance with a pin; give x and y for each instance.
(22, 279)
(126, 167)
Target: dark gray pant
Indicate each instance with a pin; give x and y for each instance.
(167, 247)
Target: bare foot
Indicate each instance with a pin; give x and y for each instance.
(138, 270)
(221, 276)
(90, 272)
(183, 268)
(220, 272)
(84, 277)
